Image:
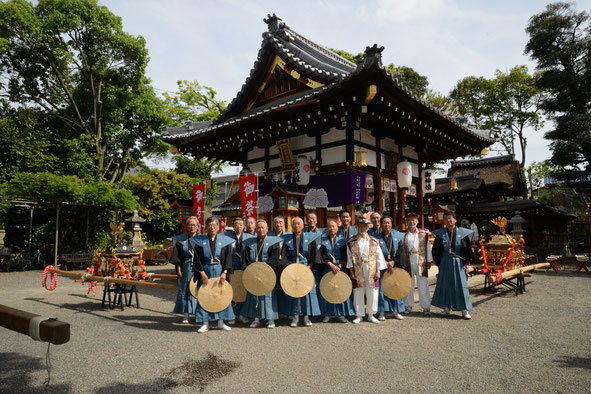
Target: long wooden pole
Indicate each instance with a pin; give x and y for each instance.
(50, 330)
(518, 271)
(92, 278)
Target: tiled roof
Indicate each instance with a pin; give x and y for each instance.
(311, 60)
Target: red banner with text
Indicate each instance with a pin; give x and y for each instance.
(222, 225)
(199, 205)
(248, 195)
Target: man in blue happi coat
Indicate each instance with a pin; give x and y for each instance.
(376, 224)
(389, 240)
(183, 262)
(278, 226)
(331, 258)
(452, 252)
(269, 250)
(346, 230)
(239, 236)
(311, 224)
(300, 248)
(212, 258)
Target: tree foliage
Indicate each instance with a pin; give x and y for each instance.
(560, 43)
(535, 174)
(193, 102)
(47, 187)
(72, 59)
(507, 104)
(157, 190)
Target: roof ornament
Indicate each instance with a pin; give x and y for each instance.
(275, 24)
(372, 55)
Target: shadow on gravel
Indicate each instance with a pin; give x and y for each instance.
(575, 362)
(16, 375)
(192, 373)
(149, 322)
(160, 323)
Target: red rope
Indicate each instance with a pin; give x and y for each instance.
(53, 280)
(91, 285)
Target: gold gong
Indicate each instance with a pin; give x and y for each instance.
(238, 286)
(336, 288)
(396, 285)
(297, 280)
(259, 278)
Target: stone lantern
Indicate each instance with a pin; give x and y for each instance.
(518, 222)
(135, 220)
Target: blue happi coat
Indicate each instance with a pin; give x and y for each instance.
(185, 302)
(386, 304)
(326, 253)
(237, 252)
(221, 261)
(451, 290)
(352, 232)
(262, 307)
(308, 304)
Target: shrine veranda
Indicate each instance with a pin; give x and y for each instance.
(533, 342)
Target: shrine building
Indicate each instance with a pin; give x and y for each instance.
(323, 132)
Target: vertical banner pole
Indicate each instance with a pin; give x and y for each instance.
(257, 175)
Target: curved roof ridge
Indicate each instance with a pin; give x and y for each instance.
(321, 48)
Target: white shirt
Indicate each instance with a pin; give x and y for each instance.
(364, 252)
(412, 242)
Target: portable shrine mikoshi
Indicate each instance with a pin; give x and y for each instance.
(297, 280)
(120, 272)
(504, 260)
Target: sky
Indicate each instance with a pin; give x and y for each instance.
(216, 42)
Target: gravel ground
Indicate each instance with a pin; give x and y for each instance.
(536, 342)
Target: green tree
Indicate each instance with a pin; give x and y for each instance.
(507, 104)
(535, 174)
(414, 81)
(23, 147)
(156, 191)
(193, 103)
(560, 43)
(72, 59)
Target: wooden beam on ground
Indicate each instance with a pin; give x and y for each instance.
(50, 330)
(519, 271)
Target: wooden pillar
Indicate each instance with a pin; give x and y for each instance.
(392, 208)
(301, 209)
(351, 208)
(321, 213)
(420, 204)
(377, 191)
(400, 212)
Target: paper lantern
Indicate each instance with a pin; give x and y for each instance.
(404, 171)
(302, 170)
(428, 181)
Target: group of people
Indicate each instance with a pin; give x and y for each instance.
(364, 253)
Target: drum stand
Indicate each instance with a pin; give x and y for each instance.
(516, 283)
(120, 298)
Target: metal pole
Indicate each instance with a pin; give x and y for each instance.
(57, 224)
(256, 174)
(30, 227)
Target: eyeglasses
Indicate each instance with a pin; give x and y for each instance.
(192, 225)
